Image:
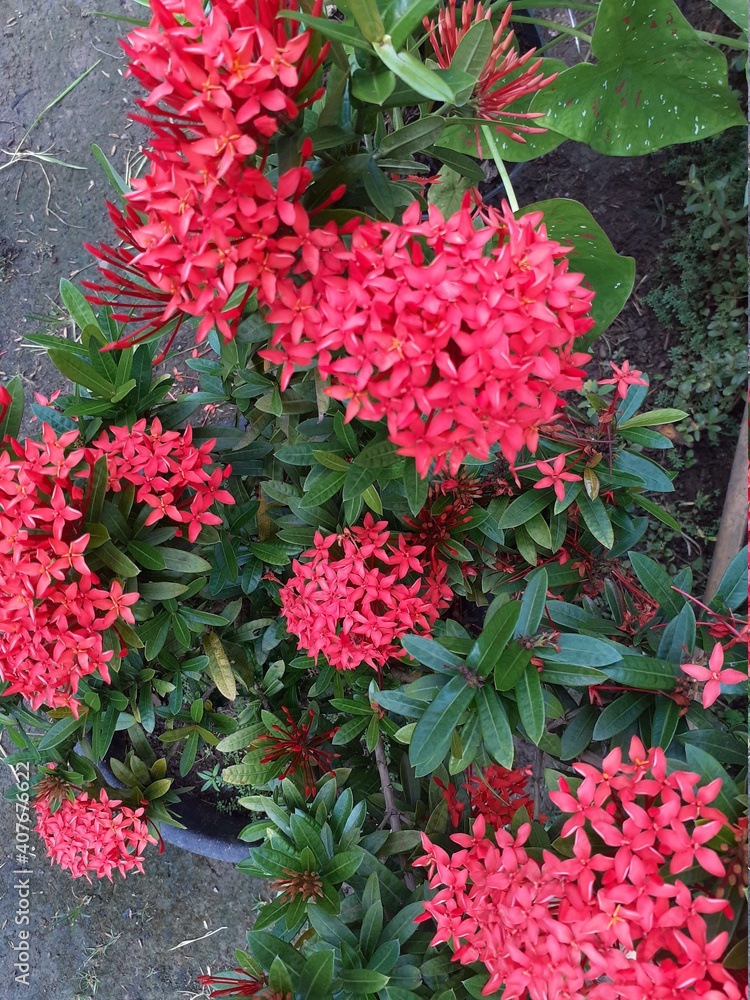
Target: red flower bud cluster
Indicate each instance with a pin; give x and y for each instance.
(52, 610)
(611, 922)
(355, 594)
(496, 793)
(98, 835)
(205, 227)
(169, 471)
(461, 337)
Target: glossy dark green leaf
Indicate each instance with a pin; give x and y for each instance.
(580, 651)
(433, 733)
(530, 701)
(618, 715)
(645, 672)
(416, 487)
(523, 508)
(431, 653)
(579, 732)
(317, 975)
(664, 722)
(532, 604)
(493, 721)
(489, 647)
(678, 638)
(657, 583)
(411, 138)
(595, 518)
(722, 746)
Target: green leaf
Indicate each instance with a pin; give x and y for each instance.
(532, 604)
(362, 982)
(653, 418)
(401, 704)
(656, 511)
(555, 673)
(373, 88)
(180, 561)
(219, 668)
(161, 590)
(645, 672)
(431, 653)
(530, 701)
(343, 865)
(324, 489)
(510, 667)
(11, 422)
(317, 975)
(678, 638)
(61, 731)
(458, 162)
(401, 17)
(580, 651)
(411, 138)
(433, 733)
(651, 475)
(656, 583)
(414, 73)
(496, 635)
(402, 926)
(379, 455)
(335, 30)
(416, 487)
(609, 274)
(595, 518)
(523, 508)
(732, 589)
(578, 732)
(117, 561)
(655, 84)
(474, 49)
(493, 721)
(664, 722)
(736, 10)
(80, 373)
(721, 745)
(80, 311)
(620, 713)
(369, 21)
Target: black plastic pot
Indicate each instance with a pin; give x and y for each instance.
(206, 832)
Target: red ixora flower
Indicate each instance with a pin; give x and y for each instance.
(505, 77)
(355, 594)
(241, 984)
(204, 227)
(299, 748)
(610, 922)
(93, 834)
(461, 337)
(624, 377)
(713, 675)
(554, 474)
(53, 609)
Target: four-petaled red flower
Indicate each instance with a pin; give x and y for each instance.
(555, 475)
(624, 377)
(713, 675)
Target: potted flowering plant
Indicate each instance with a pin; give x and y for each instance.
(394, 599)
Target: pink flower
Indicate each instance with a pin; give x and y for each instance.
(713, 675)
(88, 834)
(461, 337)
(624, 376)
(354, 595)
(554, 475)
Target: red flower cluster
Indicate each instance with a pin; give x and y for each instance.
(500, 83)
(459, 348)
(298, 748)
(496, 794)
(351, 600)
(98, 835)
(52, 612)
(609, 923)
(169, 471)
(206, 228)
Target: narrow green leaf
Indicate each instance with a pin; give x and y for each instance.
(433, 733)
(496, 635)
(530, 701)
(620, 713)
(493, 720)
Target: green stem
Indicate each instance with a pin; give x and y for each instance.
(554, 26)
(502, 170)
(563, 4)
(732, 43)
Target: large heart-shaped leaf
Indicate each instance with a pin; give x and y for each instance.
(656, 83)
(609, 274)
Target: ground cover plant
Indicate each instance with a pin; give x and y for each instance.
(487, 746)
